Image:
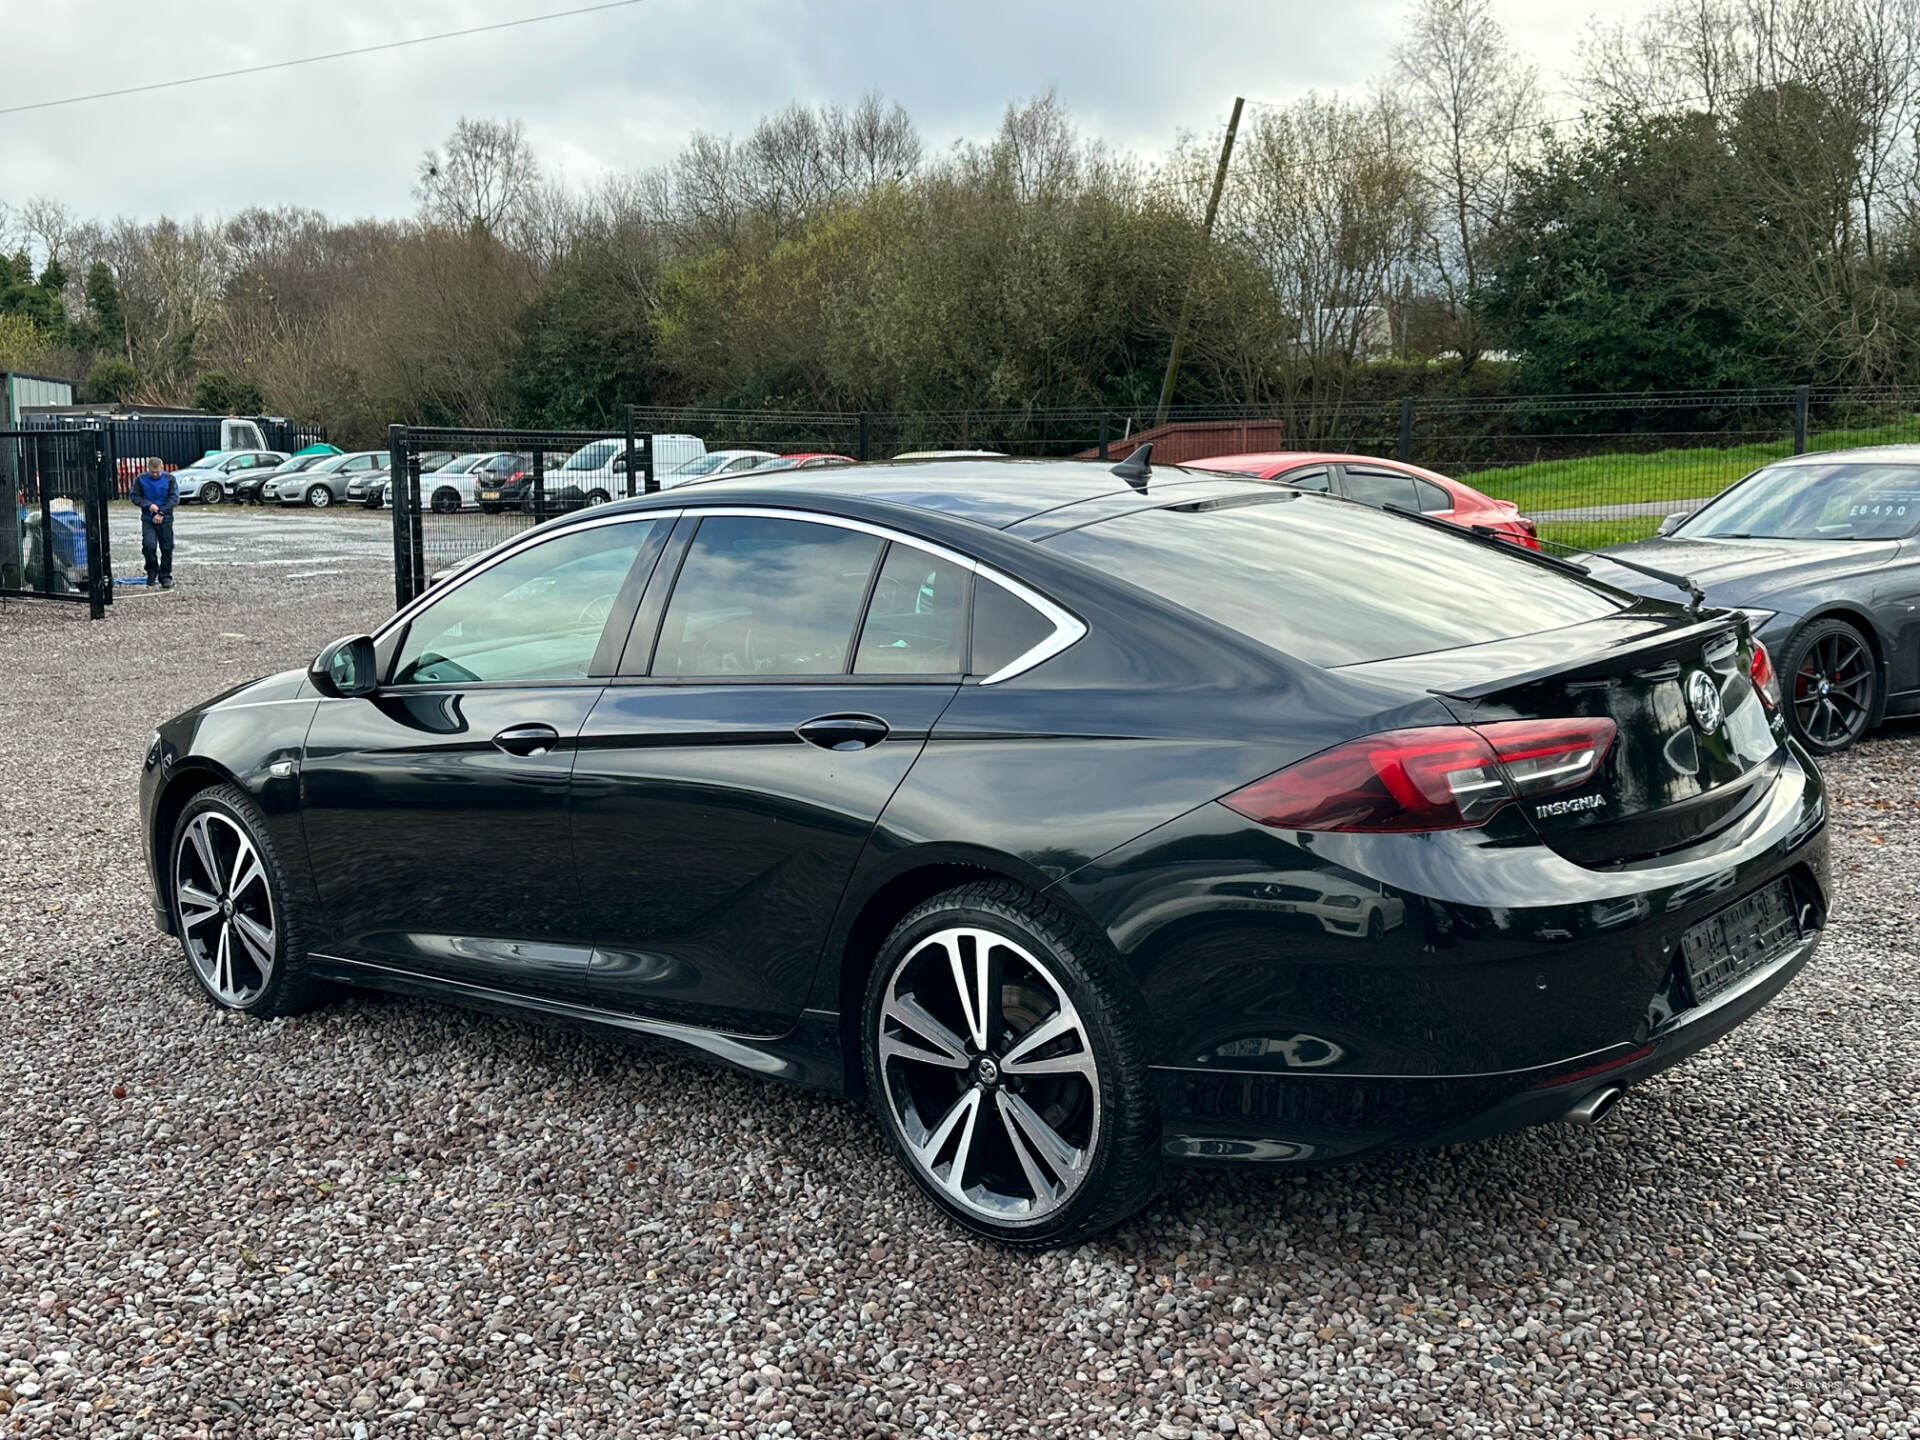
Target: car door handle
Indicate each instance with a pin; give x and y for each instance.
(530, 741)
(843, 732)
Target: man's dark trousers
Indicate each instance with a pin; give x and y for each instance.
(156, 545)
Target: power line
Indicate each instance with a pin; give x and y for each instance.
(316, 59)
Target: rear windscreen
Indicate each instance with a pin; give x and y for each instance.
(1335, 583)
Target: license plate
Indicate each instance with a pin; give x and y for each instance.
(489, 494)
(1739, 940)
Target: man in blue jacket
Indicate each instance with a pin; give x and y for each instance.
(156, 493)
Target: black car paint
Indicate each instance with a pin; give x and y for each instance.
(1093, 778)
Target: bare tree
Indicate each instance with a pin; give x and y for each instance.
(870, 145)
(1467, 104)
(50, 229)
(1334, 218)
(482, 178)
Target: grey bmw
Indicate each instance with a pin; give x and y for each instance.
(1822, 553)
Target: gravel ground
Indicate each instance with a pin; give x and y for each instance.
(392, 1219)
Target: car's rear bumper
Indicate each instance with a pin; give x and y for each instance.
(1503, 983)
(1211, 1116)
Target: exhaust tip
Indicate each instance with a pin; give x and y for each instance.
(1592, 1109)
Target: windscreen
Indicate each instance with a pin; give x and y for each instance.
(592, 457)
(1336, 583)
(1837, 501)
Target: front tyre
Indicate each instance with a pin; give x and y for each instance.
(1833, 686)
(211, 493)
(319, 497)
(1009, 1067)
(244, 933)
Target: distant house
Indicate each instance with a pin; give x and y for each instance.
(1353, 332)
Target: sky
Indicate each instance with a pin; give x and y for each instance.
(622, 89)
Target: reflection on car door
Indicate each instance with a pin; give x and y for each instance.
(436, 809)
(774, 693)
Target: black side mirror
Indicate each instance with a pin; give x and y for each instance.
(345, 669)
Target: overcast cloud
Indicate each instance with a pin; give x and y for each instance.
(622, 89)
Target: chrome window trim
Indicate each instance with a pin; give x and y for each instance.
(1068, 628)
(434, 594)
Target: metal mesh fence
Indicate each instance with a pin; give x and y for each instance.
(53, 531)
(1590, 470)
(456, 493)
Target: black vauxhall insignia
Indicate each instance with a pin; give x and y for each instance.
(1081, 820)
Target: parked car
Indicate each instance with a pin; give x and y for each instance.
(714, 464)
(1374, 481)
(972, 790)
(513, 487)
(951, 455)
(211, 478)
(804, 460)
(597, 472)
(248, 484)
(1821, 553)
(370, 488)
(324, 484)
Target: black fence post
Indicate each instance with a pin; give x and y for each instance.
(627, 463)
(1106, 431)
(94, 526)
(863, 435)
(109, 485)
(539, 484)
(1405, 452)
(649, 482)
(1799, 419)
(397, 498)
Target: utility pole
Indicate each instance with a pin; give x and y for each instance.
(1206, 234)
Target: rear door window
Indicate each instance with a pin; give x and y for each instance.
(1381, 487)
(1334, 584)
(916, 622)
(1314, 477)
(761, 596)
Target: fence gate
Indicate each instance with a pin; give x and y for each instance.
(53, 534)
(456, 493)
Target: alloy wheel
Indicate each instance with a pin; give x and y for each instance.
(225, 908)
(989, 1074)
(1833, 689)
(211, 493)
(319, 497)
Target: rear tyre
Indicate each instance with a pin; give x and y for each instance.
(211, 493)
(243, 928)
(319, 497)
(1008, 1065)
(598, 497)
(445, 502)
(1832, 686)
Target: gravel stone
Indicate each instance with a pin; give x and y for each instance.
(389, 1218)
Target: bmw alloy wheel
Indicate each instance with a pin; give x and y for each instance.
(1833, 682)
(225, 909)
(989, 1075)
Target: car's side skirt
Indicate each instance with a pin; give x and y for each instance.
(808, 1054)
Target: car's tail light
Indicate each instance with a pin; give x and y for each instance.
(1441, 777)
(1765, 680)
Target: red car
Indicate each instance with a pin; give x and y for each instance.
(1374, 481)
(804, 460)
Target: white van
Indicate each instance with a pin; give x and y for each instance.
(597, 473)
